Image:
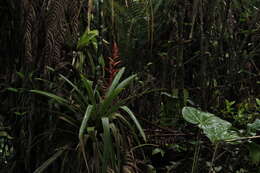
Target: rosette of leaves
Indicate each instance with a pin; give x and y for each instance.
(105, 123)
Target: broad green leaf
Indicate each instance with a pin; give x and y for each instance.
(195, 116)
(87, 38)
(216, 122)
(216, 134)
(215, 128)
(130, 113)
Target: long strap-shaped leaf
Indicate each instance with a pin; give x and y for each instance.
(76, 88)
(116, 91)
(55, 97)
(50, 95)
(49, 161)
(115, 81)
(130, 113)
(108, 147)
(88, 85)
(82, 129)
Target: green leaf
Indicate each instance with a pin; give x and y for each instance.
(20, 74)
(84, 98)
(47, 163)
(82, 129)
(88, 85)
(130, 113)
(12, 89)
(114, 91)
(87, 38)
(5, 134)
(195, 116)
(115, 81)
(69, 120)
(126, 82)
(158, 150)
(108, 147)
(257, 101)
(215, 128)
(254, 127)
(50, 95)
(107, 102)
(84, 122)
(254, 152)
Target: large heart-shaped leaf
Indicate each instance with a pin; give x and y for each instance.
(215, 128)
(195, 116)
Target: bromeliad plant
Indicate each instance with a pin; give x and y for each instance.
(105, 122)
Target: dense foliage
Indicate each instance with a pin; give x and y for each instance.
(127, 86)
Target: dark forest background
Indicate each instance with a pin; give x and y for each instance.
(105, 85)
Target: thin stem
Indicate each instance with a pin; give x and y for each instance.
(213, 157)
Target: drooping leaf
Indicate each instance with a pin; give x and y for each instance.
(83, 127)
(47, 163)
(50, 95)
(84, 98)
(137, 124)
(126, 82)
